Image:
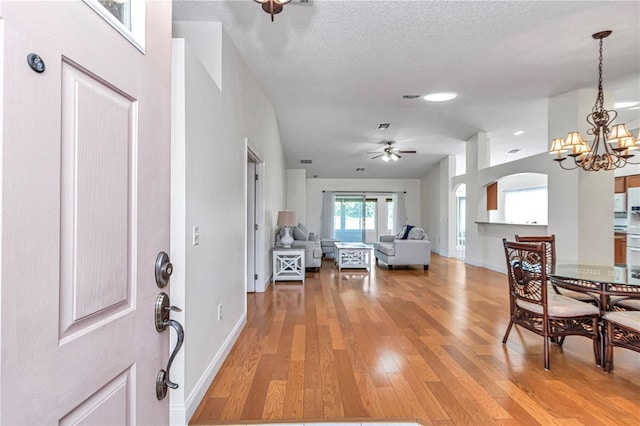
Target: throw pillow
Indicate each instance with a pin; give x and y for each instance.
(401, 232)
(406, 231)
(416, 234)
(303, 228)
(298, 234)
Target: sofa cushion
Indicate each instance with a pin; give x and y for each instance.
(299, 234)
(303, 228)
(386, 248)
(416, 234)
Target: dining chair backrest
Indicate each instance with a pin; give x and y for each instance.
(549, 242)
(527, 272)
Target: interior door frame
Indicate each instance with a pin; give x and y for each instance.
(260, 282)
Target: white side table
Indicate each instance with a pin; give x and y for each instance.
(288, 264)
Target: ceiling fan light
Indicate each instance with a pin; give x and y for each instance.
(385, 158)
(394, 157)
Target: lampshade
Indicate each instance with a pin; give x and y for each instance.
(557, 145)
(287, 218)
(618, 131)
(627, 143)
(574, 139)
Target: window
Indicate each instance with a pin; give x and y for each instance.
(348, 218)
(526, 206)
(126, 16)
(370, 215)
(460, 222)
(390, 217)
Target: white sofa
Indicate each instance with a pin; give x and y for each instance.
(309, 241)
(395, 251)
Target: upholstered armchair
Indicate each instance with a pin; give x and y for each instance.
(406, 248)
(309, 241)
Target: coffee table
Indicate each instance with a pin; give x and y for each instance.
(353, 255)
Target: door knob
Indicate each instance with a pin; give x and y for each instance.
(164, 269)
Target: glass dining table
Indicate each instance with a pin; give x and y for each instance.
(605, 286)
(600, 282)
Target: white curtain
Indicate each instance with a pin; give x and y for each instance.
(327, 226)
(400, 211)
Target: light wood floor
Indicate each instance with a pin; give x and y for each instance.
(408, 344)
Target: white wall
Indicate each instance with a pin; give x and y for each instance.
(213, 188)
(437, 201)
(316, 186)
(297, 193)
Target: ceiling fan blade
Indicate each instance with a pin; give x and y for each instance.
(377, 156)
(374, 152)
(406, 152)
(399, 156)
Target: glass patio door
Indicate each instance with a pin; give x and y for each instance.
(349, 218)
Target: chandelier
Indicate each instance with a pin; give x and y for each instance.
(610, 147)
(272, 7)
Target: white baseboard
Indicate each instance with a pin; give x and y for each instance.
(178, 413)
(498, 268)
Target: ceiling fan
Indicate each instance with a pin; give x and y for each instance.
(390, 152)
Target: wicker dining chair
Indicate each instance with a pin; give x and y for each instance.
(622, 330)
(551, 316)
(549, 242)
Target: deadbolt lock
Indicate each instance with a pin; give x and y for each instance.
(164, 269)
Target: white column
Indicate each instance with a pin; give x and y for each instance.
(580, 203)
(476, 197)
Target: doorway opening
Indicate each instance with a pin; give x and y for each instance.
(461, 216)
(255, 278)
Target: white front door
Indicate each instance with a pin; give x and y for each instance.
(85, 211)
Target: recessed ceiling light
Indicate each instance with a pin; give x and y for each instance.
(518, 133)
(383, 126)
(628, 104)
(410, 96)
(440, 97)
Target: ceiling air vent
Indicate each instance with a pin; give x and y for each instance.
(306, 161)
(383, 126)
(410, 96)
(513, 151)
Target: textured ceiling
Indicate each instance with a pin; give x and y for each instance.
(335, 69)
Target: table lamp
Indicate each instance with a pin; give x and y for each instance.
(286, 219)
